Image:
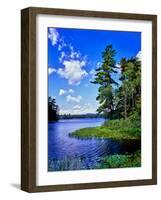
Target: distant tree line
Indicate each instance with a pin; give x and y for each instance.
(76, 116)
(123, 99)
(53, 112)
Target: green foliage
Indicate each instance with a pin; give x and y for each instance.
(129, 92)
(52, 110)
(103, 77)
(121, 133)
(121, 161)
(78, 116)
(131, 125)
(118, 101)
(132, 122)
(112, 161)
(71, 163)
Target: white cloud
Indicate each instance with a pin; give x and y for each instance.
(92, 72)
(71, 91)
(62, 56)
(71, 98)
(74, 54)
(59, 47)
(77, 107)
(62, 44)
(72, 60)
(138, 55)
(71, 47)
(98, 64)
(62, 92)
(53, 35)
(51, 70)
(71, 54)
(73, 71)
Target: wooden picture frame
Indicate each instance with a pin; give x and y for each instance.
(28, 98)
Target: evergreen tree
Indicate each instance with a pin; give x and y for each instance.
(52, 110)
(129, 91)
(103, 77)
(123, 100)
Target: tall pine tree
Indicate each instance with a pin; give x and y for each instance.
(103, 77)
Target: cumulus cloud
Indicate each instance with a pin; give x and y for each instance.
(138, 55)
(51, 70)
(71, 98)
(72, 60)
(62, 92)
(73, 71)
(53, 35)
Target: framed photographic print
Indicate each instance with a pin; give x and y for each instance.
(89, 99)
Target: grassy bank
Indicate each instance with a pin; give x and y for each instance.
(113, 129)
(121, 161)
(104, 132)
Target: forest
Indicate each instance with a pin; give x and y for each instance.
(123, 99)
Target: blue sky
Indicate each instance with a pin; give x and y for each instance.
(73, 56)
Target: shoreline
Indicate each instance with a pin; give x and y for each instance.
(104, 132)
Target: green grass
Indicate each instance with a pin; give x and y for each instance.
(113, 129)
(122, 161)
(105, 132)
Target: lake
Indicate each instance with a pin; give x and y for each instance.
(69, 153)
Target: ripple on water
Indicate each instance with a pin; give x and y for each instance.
(67, 153)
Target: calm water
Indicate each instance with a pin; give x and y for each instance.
(68, 153)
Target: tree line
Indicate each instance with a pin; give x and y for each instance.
(118, 99)
(53, 112)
